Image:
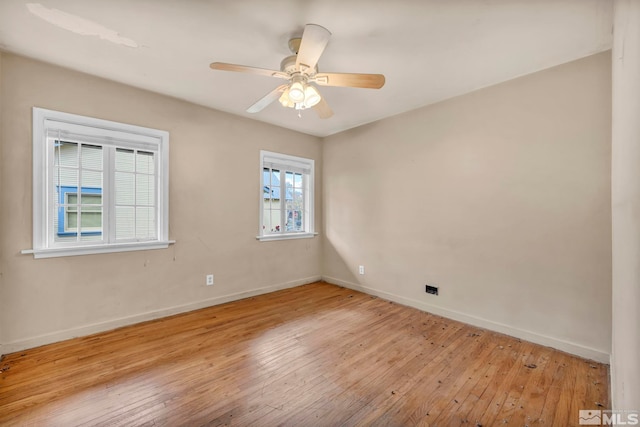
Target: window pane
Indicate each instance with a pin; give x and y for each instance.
(274, 187)
(77, 167)
(91, 157)
(294, 220)
(72, 220)
(274, 225)
(66, 154)
(145, 190)
(91, 219)
(135, 195)
(299, 221)
(145, 223)
(125, 188)
(289, 179)
(91, 199)
(298, 180)
(91, 179)
(91, 214)
(124, 160)
(125, 222)
(64, 177)
(266, 182)
(144, 163)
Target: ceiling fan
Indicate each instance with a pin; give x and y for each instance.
(300, 70)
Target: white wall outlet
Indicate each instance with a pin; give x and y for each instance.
(361, 269)
(209, 279)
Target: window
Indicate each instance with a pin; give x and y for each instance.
(98, 186)
(286, 200)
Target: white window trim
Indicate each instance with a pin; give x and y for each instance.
(286, 159)
(102, 128)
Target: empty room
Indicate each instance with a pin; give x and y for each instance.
(319, 213)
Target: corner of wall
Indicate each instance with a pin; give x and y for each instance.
(625, 199)
(2, 299)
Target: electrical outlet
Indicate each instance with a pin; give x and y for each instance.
(209, 279)
(361, 269)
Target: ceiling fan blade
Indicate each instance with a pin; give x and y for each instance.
(314, 40)
(250, 70)
(368, 81)
(323, 109)
(267, 99)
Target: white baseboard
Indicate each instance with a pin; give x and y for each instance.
(108, 325)
(559, 344)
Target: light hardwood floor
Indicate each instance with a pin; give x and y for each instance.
(315, 355)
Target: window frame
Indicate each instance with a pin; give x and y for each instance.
(103, 131)
(295, 163)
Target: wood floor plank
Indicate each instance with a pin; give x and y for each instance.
(400, 379)
(317, 355)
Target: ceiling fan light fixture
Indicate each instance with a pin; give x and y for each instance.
(311, 96)
(284, 98)
(296, 92)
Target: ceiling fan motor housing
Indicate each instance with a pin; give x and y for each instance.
(288, 65)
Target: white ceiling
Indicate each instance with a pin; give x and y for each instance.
(429, 50)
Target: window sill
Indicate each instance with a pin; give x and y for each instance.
(102, 249)
(286, 236)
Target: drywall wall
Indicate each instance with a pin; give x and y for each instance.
(214, 194)
(625, 182)
(500, 197)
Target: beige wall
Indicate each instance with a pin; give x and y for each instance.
(500, 197)
(214, 196)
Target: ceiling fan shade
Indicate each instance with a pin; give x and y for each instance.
(311, 96)
(296, 92)
(300, 70)
(284, 99)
